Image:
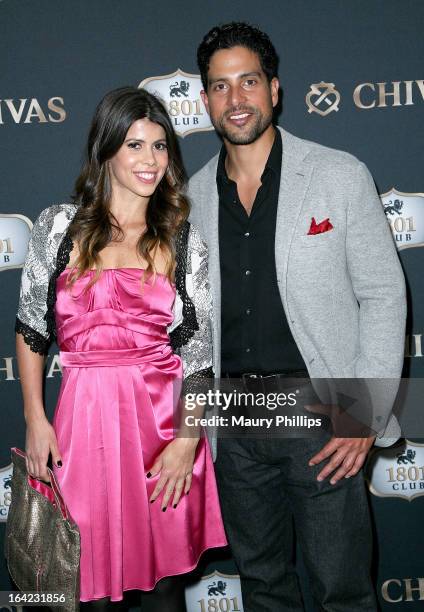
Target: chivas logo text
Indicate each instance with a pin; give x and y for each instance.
(9, 370)
(26, 110)
(323, 98)
(408, 589)
(396, 93)
(413, 345)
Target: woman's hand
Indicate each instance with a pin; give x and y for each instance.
(175, 465)
(40, 436)
(40, 442)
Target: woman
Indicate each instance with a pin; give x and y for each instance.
(119, 277)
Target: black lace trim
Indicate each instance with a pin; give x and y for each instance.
(36, 342)
(62, 259)
(186, 330)
(198, 382)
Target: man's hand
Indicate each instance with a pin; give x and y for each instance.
(349, 446)
(347, 456)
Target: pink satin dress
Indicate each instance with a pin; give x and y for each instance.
(113, 417)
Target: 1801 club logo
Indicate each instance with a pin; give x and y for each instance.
(180, 93)
(215, 593)
(5, 491)
(15, 231)
(397, 471)
(405, 214)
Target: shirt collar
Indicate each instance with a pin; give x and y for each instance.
(273, 162)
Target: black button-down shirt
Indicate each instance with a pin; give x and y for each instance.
(255, 333)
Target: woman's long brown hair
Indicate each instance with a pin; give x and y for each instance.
(94, 226)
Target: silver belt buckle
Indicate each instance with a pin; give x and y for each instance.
(250, 375)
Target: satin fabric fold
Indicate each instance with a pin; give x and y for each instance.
(114, 415)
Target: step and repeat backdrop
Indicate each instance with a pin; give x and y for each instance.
(352, 78)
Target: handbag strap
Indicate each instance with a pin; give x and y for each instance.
(58, 495)
(59, 501)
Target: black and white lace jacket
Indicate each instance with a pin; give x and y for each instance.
(48, 255)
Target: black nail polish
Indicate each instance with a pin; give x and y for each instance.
(151, 501)
(148, 475)
(188, 492)
(163, 509)
(174, 506)
(59, 464)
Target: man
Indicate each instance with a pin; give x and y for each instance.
(305, 277)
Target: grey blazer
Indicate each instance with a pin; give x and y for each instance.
(342, 289)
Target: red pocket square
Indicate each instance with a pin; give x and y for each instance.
(320, 228)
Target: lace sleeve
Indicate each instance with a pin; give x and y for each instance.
(196, 353)
(48, 252)
(30, 321)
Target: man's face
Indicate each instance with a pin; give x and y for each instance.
(239, 98)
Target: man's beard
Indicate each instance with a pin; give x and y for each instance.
(239, 137)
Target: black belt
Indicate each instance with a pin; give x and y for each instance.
(255, 381)
(253, 375)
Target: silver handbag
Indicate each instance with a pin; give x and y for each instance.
(42, 544)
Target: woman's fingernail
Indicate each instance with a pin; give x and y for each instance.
(59, 464)
(163, 509)
(148, 475)
(151, 501)
(174, 506)
(188, 492)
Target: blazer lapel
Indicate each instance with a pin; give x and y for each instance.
(295, 178)
(210, 223)
(210, 218)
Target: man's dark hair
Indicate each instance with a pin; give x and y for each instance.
(237, 34)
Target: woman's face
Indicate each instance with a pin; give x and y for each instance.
(141, 161)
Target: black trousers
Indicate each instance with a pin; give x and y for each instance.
(268, 493)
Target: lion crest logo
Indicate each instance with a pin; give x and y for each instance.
(180, 93)
(405, 214)
(217, 588)
(179, 89)
(407, 457)
(393, 207)
(215, 591)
